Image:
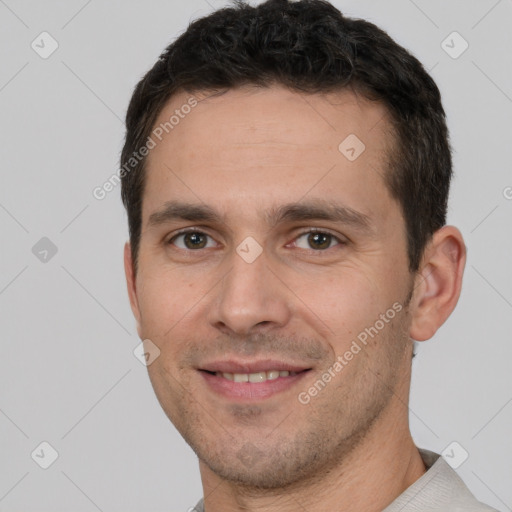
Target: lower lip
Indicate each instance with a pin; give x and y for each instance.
(251, 390)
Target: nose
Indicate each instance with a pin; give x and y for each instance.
(250, 298)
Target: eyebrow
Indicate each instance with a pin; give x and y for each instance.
(317, 209)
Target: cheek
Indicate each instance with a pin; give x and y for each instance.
(350, 296)
(350, 301)
(341, 305)
(164, 300)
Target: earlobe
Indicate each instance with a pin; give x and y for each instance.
(129, 271)
(439, 282)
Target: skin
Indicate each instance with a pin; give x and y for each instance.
(243, 153)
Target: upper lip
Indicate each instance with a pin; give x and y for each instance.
(232, 366)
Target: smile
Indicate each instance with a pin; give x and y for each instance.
(249, 382)
(255, 377)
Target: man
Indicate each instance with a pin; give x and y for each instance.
(286, 173)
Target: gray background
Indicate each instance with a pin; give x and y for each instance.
(68, 375)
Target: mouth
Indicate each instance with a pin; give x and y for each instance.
(251, 381)
(255, 377)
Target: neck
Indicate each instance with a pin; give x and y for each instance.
(372, 476)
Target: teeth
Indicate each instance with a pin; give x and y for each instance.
(255, 377)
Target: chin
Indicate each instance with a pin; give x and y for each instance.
(281, 465)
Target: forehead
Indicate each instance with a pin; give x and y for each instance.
(256, 115)
(269, 145)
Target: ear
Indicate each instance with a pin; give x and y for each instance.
(438, 282)
(129, 271)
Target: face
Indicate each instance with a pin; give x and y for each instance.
(273, 278)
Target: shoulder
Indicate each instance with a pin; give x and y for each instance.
(439, 489)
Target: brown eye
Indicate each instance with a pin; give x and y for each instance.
(317, 240)
(191, 240)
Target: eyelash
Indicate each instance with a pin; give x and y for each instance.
(306, 232)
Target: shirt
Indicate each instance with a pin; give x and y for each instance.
(440, 489)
